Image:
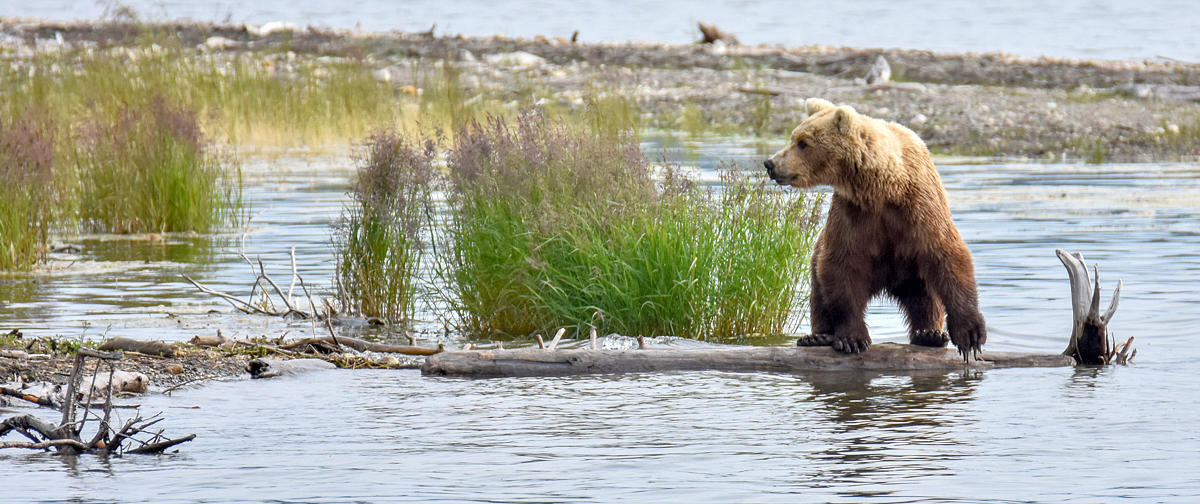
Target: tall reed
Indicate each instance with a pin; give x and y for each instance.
(379, 244)
(248, 98)
(28, 191)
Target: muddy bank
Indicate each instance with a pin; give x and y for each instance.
(992, 105)
(24, 360)
(189, 365)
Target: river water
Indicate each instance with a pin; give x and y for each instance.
(1108, 29)
(1016, 435)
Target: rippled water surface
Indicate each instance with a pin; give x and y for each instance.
(1109, 29)
(1017, 435)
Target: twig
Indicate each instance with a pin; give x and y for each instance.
(233, 300)
(641, 343)
(78, 445)
(19, 394)
(332, 334)
(1121, 357)
(263, 270)
(159, 447)
(365, 346)
(557, 336)
(193, 380)
(541, 344)
(68, 406)
(102, 431)
(294, 274)
(593, 337)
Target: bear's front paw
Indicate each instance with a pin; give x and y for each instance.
(851, 343)
(815, 340)
(968, 335)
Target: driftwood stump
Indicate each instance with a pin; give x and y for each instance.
(1089, 344)
(1090, 340)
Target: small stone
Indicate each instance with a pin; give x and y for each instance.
(174, 369)
(918, 120)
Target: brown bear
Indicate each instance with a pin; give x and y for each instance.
(888, 231)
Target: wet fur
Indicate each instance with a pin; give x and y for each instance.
(888, 232)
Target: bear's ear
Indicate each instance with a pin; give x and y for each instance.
(843, 119)
(814, 105)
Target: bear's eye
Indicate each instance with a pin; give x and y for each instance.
(801, 145)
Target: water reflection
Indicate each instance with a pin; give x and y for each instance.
(1085, 381)
(884, 426)
(174, 248)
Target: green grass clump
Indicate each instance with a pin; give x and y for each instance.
(564, 227)
(150, 170)
(28, 192)
(378, 245)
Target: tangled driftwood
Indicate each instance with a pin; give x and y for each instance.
(66, 436)
(1088, 345)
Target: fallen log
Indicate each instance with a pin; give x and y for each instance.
(362, 345)
(1089, 344)
(158, 348)
(881, 357)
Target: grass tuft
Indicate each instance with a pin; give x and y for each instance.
(150, 171)
(557, 226)
(28, 191)
(378, 244)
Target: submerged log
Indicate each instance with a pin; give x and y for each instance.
(881, 357)
(1089, 344)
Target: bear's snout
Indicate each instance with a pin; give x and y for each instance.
(771, 172)
(770, 168)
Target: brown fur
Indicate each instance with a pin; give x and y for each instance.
(888, 231)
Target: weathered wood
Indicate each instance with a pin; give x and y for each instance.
(1089, 343)
(881, 357)
(143, 347)
(267, 368)
(363, 345)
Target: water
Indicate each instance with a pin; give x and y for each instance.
(1114, 29)
(1017, 435)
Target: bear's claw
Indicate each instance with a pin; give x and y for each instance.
(815, 340)
(844, 346)
(931, 338)
(851, 346)
(968, 335)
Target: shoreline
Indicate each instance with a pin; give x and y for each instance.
(991, 105)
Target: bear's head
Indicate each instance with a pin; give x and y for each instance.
(820, 148)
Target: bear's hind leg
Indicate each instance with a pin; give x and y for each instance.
(923, 311)
(819, 316)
